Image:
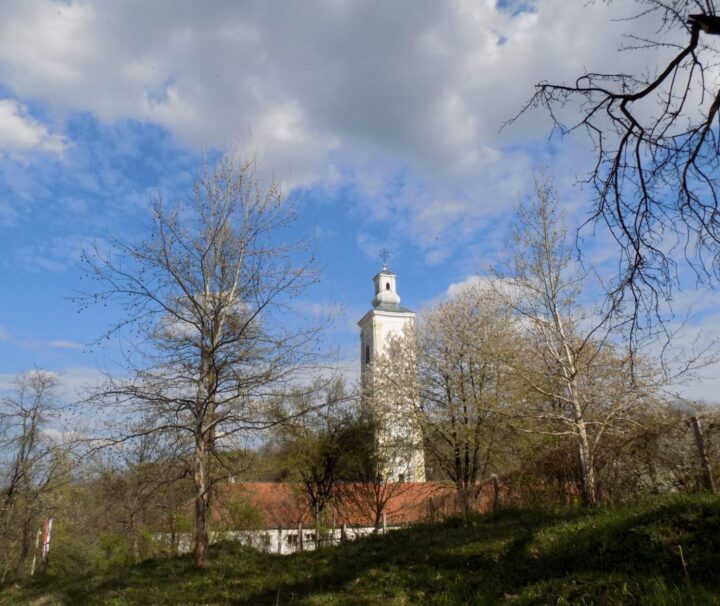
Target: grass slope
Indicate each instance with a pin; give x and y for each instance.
(607, 556)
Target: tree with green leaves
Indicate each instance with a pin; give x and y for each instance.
(467, 387)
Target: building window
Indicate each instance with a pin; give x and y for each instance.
(292, 539)
(401, 477)
(387, 286)
(367, 354)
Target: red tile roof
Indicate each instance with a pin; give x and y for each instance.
(285, 505)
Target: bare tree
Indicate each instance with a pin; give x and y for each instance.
(318, 437)
(208, 294)
(588, 381)
(657, 150)
(134, 482)
(29, 465)
(563, 342)
(373, 491)
(389, 455)
(665, 452)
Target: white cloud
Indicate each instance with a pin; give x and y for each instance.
(75, 381)
(65, 344)
(72, 381)
(457, 288)
(35, 344)
(55, 255)
(504, 287)
(21, 133)
(414, 88)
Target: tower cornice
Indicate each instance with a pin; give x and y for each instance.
(400, 312)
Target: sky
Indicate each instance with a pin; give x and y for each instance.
(381, 120)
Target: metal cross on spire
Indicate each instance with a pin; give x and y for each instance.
(384, 255)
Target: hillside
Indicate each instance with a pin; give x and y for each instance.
(617, 556)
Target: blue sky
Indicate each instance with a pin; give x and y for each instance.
(382, 120)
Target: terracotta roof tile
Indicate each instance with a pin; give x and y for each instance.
(285, 505)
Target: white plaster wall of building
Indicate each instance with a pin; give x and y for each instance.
(281, 541)
(385, 320)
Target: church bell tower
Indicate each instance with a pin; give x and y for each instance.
(397, 435)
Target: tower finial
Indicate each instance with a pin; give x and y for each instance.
(384, 254)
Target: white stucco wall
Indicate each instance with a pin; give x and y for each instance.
(281, 541)
(397, 432)
(376, 328)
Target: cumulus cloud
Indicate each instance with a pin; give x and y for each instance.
(455, 289)
(76, 380)
(696, 337)
(503, 287)
(369, 91)
(398, 105)
(20, 133)
(72, 381)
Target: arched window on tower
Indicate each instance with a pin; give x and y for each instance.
(367, 354)
(387, 286)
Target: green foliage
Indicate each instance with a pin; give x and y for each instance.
(244, 516)
(72, 552)
(519, 557)
(116, 549)
(76, 553)
(183, 522)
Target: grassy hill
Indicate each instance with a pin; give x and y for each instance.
(609, 556)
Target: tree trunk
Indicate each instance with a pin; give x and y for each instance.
(378, 518)
(25, 544)
(203, 441)
(496, 491)
(317, 525)
(135, 542)
(587, 466)
(173, 541)
(708, 480)
(569, 372)
(587, 469)
(201, 504)
(466, 498)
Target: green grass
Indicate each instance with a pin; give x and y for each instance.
(606, 556)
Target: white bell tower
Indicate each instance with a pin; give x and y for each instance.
(385, 320)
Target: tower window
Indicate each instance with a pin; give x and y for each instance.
(387, 286)
(367, 354)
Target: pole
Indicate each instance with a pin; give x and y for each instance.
(37, 545)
